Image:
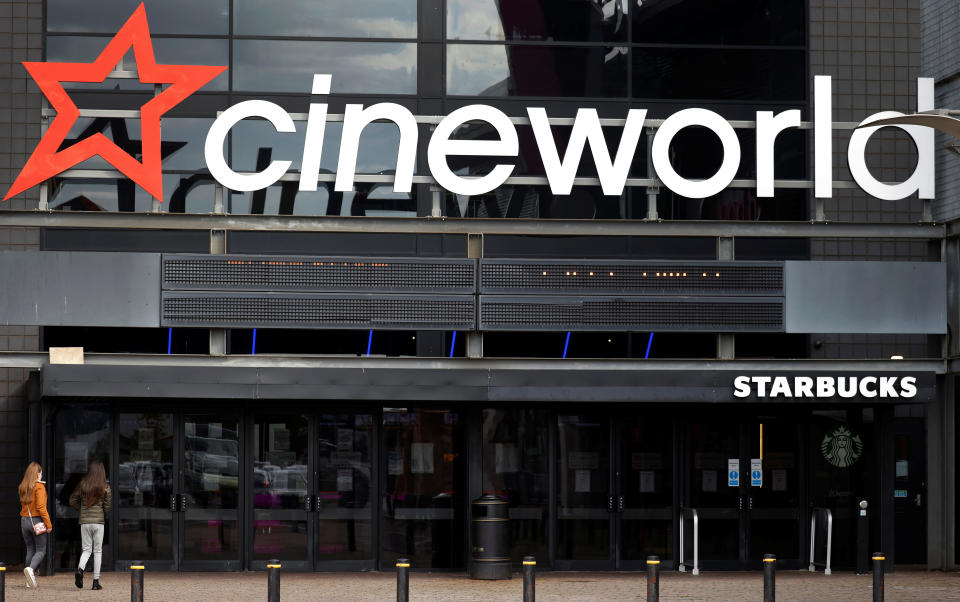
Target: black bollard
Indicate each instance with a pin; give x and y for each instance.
(3, 582)
(769, 578)
(878, 558)
(273, 581)
(403, 580)
(529, 579)
(136, 581)
(653, 578)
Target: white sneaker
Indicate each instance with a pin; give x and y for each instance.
(31, 579)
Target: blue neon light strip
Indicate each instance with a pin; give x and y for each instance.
(566, 345)
(453, 342)
(369, 342)
(169, 341)
(253, 348)
(649, 343)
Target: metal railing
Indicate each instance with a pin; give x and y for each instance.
(689, 514)
(816, 517)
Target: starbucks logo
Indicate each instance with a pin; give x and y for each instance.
(841, 447)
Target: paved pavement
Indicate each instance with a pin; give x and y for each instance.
(616, 587)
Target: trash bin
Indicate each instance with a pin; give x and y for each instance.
(491, 539)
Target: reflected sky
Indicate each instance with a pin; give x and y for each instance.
(357, 18)
(163, 16)
(357, 67)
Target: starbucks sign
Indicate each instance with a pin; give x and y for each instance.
(841, 448)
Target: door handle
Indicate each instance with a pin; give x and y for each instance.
(917, 500)
(174, 502)
(740, 503)
(749, 502)
(620, 503)
(183, 502)
(308, 503)
(610, 503)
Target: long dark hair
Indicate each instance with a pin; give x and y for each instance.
(93, 484)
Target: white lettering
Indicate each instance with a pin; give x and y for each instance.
(768, 126)
(887, 386)
(865, 390)
(908, 386)
(761, 382)
(586, 130)
(781, 387)
(442, 146)
(661, 153)
(825, 387)
(741, 386)
(213, 147)
(313, 142)
(803, 386)
(850, 389)
(355, 118)
(922, 180)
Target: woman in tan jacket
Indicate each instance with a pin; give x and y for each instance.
(33, 509)
(91, 499)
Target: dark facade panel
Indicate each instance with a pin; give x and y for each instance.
(630, 277)
(279, 310)
(312, 273)
(679, 314)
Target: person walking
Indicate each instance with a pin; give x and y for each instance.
(34, 520)
(91, 499)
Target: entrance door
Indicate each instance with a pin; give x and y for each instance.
(178, 490)
(743, 479)
(615, 491)
(423, 493)
(909, 493)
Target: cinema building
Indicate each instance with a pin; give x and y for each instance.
(324, 332)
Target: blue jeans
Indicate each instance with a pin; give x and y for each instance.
(36, 544)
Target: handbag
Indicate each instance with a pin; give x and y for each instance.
(38, 528)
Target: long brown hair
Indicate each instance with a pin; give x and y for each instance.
(93, 484)
(30, 478)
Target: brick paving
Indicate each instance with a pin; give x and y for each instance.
(904, 585)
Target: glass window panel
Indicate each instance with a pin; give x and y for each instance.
(377, 200)
(719, 22)
(718, 74)
(344, 487)
(365, 19)
(83, 435)
(280, 481)
(144, 485)
(182, 193)
(164, 16)
(493, 70)
(515, 467)
(171, 51)
(570, 20)
(357, 67)
(211, 474)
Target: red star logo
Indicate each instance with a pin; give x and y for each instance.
(47, 161)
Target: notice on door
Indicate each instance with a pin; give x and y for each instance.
(581, 481)
(733, 472)
(756, 472)
(709, 482)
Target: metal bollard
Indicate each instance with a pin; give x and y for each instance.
(403, 580)
(878, 558)
(136, 581)
(529, 579)
(769, 578)
(273, 581)
(653, 578)
(3, 582)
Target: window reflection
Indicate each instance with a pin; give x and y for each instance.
(692, 73)
(183, 193)
(719, 22)
(489, 70)
(284, 199)
(357, 67)
(164, 16)
(173, 51)
(380, 19)
(570, 21)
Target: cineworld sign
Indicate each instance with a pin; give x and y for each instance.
(586, 131)
(52, 157)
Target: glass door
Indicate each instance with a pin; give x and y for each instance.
(422, 515)
(147, 469)
(345, 490)
(209, 496)
(714, 450)
(280, 487)
(586, 503)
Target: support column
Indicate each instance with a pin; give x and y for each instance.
(475, 339)
(725, 340)
(218, 336)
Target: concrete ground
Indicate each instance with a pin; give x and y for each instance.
(616, 587)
